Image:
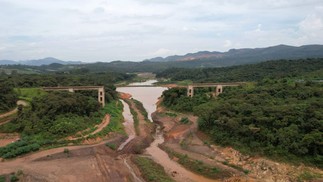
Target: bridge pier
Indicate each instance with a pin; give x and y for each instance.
(101, 96)
(190, 91)
(100, 89)
(218, 90)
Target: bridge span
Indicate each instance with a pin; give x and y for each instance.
(190, 87)
(100, 89)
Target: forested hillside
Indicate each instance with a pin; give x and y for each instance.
(277, 118)
(254, 72)
(279, 114)
(77, 77)
(52, 116)
(8, 97)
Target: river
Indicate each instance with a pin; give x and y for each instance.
(149, 97)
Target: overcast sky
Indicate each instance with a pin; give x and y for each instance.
(107, 30)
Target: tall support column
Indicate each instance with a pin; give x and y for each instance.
(101, 96)
(218, 90)
(190, 91)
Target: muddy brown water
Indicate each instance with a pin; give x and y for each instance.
(149, 97)
(128, 124)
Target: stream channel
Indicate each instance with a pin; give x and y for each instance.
(149, 97)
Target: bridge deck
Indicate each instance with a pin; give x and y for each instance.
(194, 85)
(74, 88)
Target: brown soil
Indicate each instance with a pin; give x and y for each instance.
(144, 139)
(185, 139)
(19, 102)
(80, 163)
(7, 138)
(124, 95)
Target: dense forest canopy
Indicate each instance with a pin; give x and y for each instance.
(254, 72)
(274, 117)
(52, 116)
(58, 78)
(278, 114)
(8, 97)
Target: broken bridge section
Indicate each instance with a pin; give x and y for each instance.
(218, 87)
(190, 88)
(100, 89)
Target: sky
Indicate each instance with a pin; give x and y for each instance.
(134, 30)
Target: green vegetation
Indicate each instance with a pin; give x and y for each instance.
(29, 93)
(176, 98)
(114, 109)
(8, 97)
(236, 167)
(51, 117)
(308, 176)
(47, 131)
(279, 115)
(150, 170)
(135, 117)
(2, 178)
(280, 119)
(277, 118)
(184, 120)
(254, 72)
(112, 146)
(141, 109)
(195, 165)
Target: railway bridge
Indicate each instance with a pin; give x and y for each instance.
(100, 89)
(190, 88)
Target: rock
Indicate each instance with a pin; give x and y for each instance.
(174, 173)
(117, 158)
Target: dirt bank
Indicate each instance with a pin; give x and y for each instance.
(187, 140)
(144, 136)
(76, 163)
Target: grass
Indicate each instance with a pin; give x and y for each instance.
(308, 176)
(2, 178)
(115, 109)
(141, 109)
(196, 166)
(8, 117)
(151, 171)
(236, 167)
(185, 82)
(29, 93)
(135, 117)
(185, 120)
(112, 146)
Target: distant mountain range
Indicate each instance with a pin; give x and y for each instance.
(199, 59)
(241, 56)
(38, 62)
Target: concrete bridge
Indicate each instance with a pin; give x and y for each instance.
(100, 89)
(190, 88)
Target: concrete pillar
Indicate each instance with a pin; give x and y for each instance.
(218, 90)
(101, 96)
(71, 90)
(190, 91)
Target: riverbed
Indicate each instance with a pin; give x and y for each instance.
(149, 97)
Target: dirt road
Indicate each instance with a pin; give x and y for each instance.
(77, 163)
(100, 127)
(19, 102)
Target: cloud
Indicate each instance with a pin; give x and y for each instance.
(106, 30)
